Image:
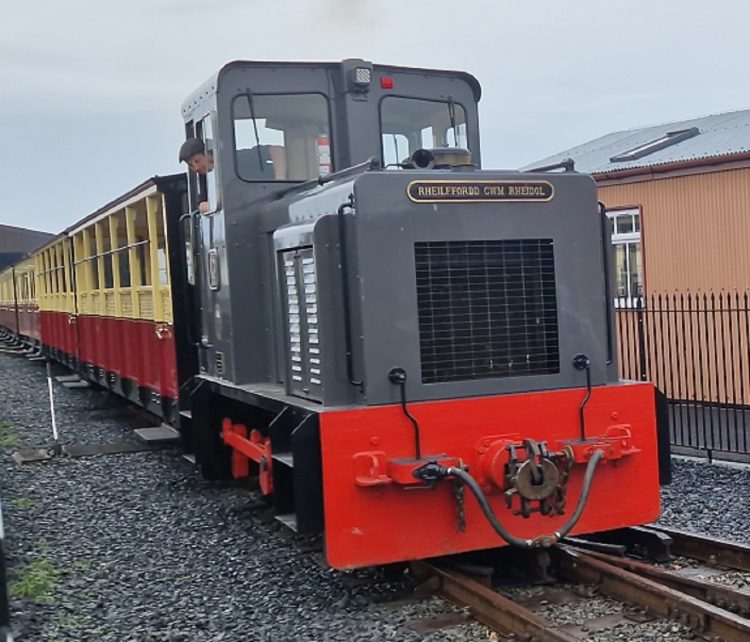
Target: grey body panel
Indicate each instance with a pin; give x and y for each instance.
(387, 228)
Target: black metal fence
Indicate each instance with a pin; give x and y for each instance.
(695, 346)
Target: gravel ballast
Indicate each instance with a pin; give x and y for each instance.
(139, 548)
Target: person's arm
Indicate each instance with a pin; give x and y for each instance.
(203, 205)
(278, 157)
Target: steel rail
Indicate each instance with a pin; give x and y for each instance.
(707, 548)
(491, 609)
(703, 618)
(720, 595)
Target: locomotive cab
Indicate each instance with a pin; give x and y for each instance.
(269, 127)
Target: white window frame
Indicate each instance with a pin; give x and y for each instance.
(213, 194)
(626, 239)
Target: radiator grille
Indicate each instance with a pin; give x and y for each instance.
(301, 289)
(486, 309)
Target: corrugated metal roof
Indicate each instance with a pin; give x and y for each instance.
(719, 135)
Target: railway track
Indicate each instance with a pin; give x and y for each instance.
(690, 600)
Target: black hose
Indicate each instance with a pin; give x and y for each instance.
(588, 478)
(543, 541)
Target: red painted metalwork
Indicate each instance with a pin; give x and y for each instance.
(164, 334)
(373, 468)
(138, 350)
(22, 319)
(58, 331)
(8, 318)
(492, 452)
(371, 521)
(28, 321)
(86, 339)
(246, 447)
(616, 443)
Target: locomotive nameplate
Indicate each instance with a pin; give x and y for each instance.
(486, 191)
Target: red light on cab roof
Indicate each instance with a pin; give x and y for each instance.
(386, 82)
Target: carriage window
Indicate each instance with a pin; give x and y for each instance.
(105, 256)
(410, 123)
(281, 137)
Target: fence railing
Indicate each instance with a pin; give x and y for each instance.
(695, 346)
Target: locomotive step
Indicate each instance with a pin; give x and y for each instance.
(189, 457)
(285, 458)
(66, 378)
(185, 419)
(158, 434)
(288, 519)
(76, 384)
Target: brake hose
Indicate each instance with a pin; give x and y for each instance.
(543, 541)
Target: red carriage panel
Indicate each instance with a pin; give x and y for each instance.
(8, 318)
(28, 322)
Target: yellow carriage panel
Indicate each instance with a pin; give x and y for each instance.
(121, 262)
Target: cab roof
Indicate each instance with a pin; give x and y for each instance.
(208, 88)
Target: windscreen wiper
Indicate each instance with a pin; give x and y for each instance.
(452, 116)
(251, 104)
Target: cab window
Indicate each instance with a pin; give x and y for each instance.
(207, 182)
(281, 137)
(406, 124)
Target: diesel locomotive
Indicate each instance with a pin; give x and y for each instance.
(413, 355)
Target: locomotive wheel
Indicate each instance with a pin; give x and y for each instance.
(218, 465)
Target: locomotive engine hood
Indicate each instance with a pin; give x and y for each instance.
(468, 281)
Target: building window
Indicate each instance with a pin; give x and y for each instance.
(626, 239)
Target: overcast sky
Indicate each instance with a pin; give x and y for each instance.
(90, 90)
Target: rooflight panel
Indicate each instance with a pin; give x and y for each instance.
(667, 140)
